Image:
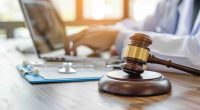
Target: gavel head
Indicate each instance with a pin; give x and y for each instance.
(136, 54)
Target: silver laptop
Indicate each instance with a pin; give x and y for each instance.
(48, 31)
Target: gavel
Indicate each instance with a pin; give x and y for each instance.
(133, 79)
(137, 55)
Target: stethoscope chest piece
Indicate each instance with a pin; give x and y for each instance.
(67, 68)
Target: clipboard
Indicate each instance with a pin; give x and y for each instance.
(38, 79)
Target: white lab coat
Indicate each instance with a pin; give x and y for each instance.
(169, 17)
(181, 49)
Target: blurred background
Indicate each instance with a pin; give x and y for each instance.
(77, 14)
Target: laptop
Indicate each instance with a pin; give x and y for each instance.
(47, 31)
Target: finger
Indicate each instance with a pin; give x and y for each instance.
(66, 46)
(71, 49)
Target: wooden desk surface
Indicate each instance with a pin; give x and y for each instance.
(17, 94)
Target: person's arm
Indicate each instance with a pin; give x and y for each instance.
(184, 50)
(98, 39)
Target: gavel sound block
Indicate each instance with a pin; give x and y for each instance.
(133, 80)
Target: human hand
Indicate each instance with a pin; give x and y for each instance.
(98, 39)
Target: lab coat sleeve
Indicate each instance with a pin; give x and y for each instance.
(184, 50)
(129, 24)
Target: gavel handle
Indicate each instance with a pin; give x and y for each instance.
(169, 63)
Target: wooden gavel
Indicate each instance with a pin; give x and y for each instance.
(137, 56)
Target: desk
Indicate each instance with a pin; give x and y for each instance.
(17, 94)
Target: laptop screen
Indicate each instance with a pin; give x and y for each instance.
(46, 27)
